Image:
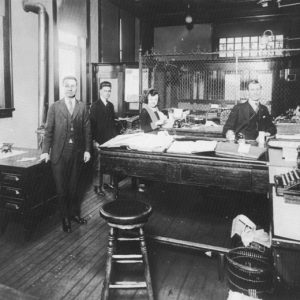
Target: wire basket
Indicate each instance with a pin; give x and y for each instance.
(249, 271)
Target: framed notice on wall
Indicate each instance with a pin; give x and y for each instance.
(132, 84)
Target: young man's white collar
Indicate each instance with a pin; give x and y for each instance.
(254, 104)
(67, 101)
(104, 101)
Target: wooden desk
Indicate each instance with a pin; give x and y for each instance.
(26, 187)
(204, 171)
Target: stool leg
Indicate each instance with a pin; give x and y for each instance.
(146, 262)
(221, 266)
(110, 248)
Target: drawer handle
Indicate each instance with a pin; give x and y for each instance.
(15, 191)
(11, 177)
(12, 205)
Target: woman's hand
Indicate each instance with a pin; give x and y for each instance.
(159, 122)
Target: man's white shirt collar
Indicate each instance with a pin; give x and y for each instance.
(104, 101)
(67, 101)
(254, 104)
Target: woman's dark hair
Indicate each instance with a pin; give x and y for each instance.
(151, 92)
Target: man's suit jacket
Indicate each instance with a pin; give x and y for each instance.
(102, 121)
(58, 126)
(241, 120)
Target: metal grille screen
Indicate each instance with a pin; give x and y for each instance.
(196, 81)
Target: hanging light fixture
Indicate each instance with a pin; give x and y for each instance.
(267, 37)
(188, 17)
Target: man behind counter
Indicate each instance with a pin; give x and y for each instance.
(248, 118)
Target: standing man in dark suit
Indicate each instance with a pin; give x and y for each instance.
(249, 118)
(102, 115)
(67, 139)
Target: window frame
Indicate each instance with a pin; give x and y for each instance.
(8, 101)
(250, 46)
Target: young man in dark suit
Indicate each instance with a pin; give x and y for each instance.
(250, 117)
(102, 116)
(68, 140)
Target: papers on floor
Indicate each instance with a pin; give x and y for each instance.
(189, 147)
(232, 295)
(246, 229)
(141, 142)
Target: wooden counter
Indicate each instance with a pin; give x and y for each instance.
(207, 171)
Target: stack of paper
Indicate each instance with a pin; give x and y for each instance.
(141, 142)
(188, 147)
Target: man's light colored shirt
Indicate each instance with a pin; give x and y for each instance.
(254, 105)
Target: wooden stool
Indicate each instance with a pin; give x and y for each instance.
(126, 215)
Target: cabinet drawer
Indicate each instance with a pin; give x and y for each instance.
(10, 203)
(11, 191)
(10, 179)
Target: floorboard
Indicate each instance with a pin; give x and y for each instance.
(54, 265)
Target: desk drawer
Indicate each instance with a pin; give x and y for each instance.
(11, 191)
(11, 203)
(229, 178)
(10, 179)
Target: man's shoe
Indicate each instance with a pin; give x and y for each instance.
(66, 225)
(108, 186)
(99, 191)
(78, 220)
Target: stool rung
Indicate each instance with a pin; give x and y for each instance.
(129, 256)
(127, 261)
(128, 239)
(128, 285)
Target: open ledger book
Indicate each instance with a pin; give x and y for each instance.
(141, 141)
(159, 143)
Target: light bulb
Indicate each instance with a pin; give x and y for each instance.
(188, 19)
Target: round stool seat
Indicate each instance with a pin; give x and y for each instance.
(126, 212)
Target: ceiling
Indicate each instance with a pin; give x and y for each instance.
(173, 12)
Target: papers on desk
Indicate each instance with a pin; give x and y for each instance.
(12, 153)
(189, 147)
(244, 151)
(141, 142)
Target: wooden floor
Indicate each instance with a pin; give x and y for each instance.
(56, 265)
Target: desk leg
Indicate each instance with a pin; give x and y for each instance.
(221, 266)
(115, 185)
(134, 183)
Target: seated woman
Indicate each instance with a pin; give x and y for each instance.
(151, 118)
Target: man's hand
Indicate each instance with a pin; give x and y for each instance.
(96, 145)
(86, 156)
(45, 157)
(230, 135)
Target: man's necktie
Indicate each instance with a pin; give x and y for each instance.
(70, 107)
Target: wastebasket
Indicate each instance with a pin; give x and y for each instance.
(249, 271)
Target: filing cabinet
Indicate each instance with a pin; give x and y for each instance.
(26, 187)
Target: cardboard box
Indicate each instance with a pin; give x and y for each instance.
(283, 152)
(286, 221)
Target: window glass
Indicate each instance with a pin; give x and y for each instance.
(251, 46)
